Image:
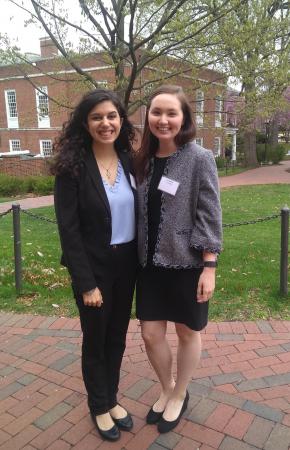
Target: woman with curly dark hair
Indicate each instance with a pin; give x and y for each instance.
(95, 207)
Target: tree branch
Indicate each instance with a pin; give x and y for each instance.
(86, 11)
(60, 48)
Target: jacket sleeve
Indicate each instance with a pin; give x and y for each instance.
(74, 253)
(207, 232)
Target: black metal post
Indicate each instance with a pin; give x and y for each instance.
(17, 246)
(284, 250)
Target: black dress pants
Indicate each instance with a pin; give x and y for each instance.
(104, 329)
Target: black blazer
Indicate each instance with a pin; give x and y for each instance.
(85, 223)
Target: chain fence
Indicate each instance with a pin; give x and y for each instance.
(251, 222)
(36, 216)
(5, 212)
(283, 215)
(225, 225)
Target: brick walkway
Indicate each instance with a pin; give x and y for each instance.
(262, 175)
(240, 395)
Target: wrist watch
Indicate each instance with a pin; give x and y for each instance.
(210, 264)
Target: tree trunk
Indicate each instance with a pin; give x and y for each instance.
(120, 76)
(250, 148)
(249, 121)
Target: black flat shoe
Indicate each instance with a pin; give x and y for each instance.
(113, 434)
(153, 416)
(165, 425)
(125, 424)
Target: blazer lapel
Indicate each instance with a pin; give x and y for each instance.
(127, 166)
(124, 158)
(94, 172)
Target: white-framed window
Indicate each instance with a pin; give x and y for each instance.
(199, 141)
(11, 108)
(218, 111)
(199, 108)
(46, 147)
(14, 145)
(42, 106)
(217, 146)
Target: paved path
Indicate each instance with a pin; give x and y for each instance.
(239, 398)
(29, 203)
(261, 175)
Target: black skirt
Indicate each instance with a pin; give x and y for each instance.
(170, 294)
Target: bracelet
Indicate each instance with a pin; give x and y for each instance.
(210, 264)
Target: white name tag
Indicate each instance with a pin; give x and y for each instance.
(168, 185)
(133, 182)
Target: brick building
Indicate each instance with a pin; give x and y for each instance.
(30, 119)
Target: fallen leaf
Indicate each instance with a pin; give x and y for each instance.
(48, 271)
(55, 285)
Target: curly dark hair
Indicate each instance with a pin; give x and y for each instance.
(74, 141)
(149, 143)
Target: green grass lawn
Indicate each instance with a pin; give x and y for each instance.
(231, 171)
(45, 282)
(247, 276)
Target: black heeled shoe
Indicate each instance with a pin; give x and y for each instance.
(125, 424)
(113, 434)
(153, 416)
(165, 425)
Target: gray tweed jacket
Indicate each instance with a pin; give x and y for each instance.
(190, 220)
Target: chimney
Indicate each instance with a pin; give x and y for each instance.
(47, 48)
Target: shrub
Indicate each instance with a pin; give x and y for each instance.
(43, 185)
(274, 153)
(220, 162)
(260, 151)
(11, 185)
(277, 153)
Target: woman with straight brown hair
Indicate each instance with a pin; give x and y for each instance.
(179, 238)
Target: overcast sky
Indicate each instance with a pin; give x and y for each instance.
(12, 21)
